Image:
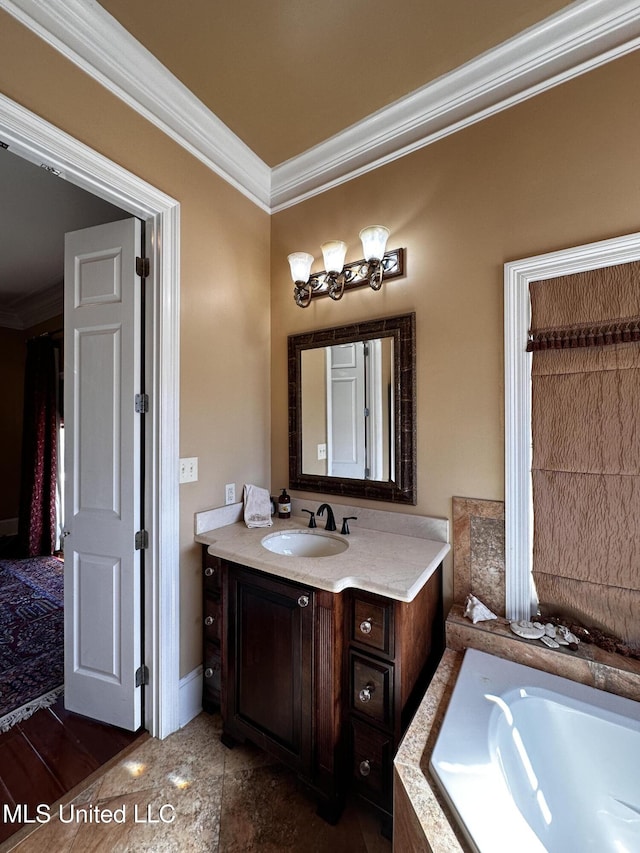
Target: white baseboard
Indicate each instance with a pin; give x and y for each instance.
(190, 696)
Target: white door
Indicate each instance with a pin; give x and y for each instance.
(346, 451)
(102, 582)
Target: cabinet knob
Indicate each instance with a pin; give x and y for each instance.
(208, 672)
(208, 571)
(366, 626)
(366, 692)
(209, 620)
(365, 767)
(303, 601)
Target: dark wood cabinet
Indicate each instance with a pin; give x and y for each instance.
(393, 650)
(211, 631)
(282, 676)
(325, 682)
(269, 664)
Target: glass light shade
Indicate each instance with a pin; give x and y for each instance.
(334, 253)
(374, 241)
(300, 263)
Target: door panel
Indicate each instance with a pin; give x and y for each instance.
(267, 695)
(103, 638)
(345, 410)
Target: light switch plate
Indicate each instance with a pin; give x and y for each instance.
(189, 469)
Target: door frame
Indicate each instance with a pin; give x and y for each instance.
(36, 140)
(520, 595)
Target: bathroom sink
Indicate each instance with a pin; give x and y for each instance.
(304, 543)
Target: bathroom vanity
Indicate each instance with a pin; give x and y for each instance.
(321, 661)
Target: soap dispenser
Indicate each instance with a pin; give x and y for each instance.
(284, 505)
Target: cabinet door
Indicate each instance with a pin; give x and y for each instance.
(269, 691)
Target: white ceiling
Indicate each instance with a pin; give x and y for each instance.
(38, 208)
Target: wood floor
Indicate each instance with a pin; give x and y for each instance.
(47, 755)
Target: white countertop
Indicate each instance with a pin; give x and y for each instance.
(396, 566)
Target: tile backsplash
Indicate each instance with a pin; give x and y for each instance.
(478, 552)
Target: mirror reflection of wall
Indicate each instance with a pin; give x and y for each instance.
(347, 410)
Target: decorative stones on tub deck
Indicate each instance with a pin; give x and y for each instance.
(551, 635)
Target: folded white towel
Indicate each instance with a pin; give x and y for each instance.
(257, 507)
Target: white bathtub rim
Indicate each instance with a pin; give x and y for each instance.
(469, 715)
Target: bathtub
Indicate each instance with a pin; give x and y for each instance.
(532, 762)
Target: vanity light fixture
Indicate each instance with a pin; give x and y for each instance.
(337, 276)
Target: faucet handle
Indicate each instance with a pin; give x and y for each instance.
(345, 527)
(312, 517)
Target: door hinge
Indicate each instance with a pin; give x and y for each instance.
(142, 403)
(366, 411)
(142, 540)
(142, 267)
(142, 675)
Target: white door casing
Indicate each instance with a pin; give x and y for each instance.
(521, 600)
(40, 142)
(102, 583)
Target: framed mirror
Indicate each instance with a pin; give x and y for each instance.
(352, 410)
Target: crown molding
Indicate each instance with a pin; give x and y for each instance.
(34, 308)
(580, 37)
(92, 39)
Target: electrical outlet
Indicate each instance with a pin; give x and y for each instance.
(230, 493)
(189, 470)
(322, 451)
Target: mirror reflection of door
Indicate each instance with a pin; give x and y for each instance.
(347, 410)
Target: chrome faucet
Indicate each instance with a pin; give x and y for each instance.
(331, 521)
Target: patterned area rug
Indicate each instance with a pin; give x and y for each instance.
(31, 636)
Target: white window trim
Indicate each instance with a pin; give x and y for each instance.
(520, 597)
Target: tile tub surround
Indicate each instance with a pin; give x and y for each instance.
(422, 819)
(478, 552)
(389, 564)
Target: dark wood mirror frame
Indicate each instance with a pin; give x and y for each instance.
(402, 489)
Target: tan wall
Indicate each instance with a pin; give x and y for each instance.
(225, 393)
(556, 171)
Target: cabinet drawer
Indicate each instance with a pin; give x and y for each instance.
(211, 673)
(372, 757)
(212, 613)
(372, 624)
(372, 689)
(211, 572)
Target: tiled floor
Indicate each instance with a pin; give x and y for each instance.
(190, 793)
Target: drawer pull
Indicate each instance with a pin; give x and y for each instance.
(366, 626)
(365, 767)
(365, 693)
(209, 620)
(303, 601)
(208, 672)
(208, 571)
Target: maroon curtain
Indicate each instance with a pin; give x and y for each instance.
(37, 519)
